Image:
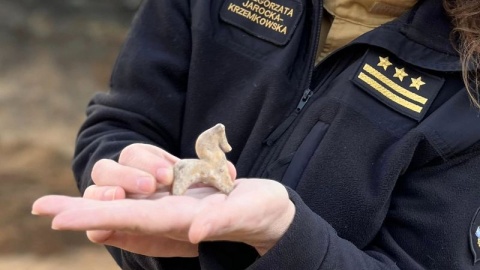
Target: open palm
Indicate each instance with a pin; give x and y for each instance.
(256, 212)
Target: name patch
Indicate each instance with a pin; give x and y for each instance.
(402, 88)
(271, 20)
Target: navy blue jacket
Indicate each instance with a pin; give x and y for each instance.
(378, 145)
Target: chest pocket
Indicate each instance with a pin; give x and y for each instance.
(305, 152)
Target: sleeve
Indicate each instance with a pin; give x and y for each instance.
(148, 85)
(433, 216)
(311, 243)
(145, 103)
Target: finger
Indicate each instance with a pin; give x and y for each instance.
(232, 170)
(147, 245)
(195, 192)
(99, 236)
(104, 193)
(157, 151)
(211, 226)
(251, 213)
(199, 192)
(233, 217)
(214, 219)
(53, 204)
(171, 215)
(110, 173)
(151, 159)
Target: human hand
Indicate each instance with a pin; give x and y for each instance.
(141, 170)
(256, 212)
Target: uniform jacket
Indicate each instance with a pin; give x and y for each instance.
(378, 145)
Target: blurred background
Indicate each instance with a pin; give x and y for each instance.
(54, 55)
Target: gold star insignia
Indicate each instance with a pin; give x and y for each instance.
(384, 62)
(417, 83)
(400, 74)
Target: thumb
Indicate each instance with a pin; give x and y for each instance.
(100, 236)
(199, 232)
(213, 222)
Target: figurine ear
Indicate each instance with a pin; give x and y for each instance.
(219, 127)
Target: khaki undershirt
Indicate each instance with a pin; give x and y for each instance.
(345, 20)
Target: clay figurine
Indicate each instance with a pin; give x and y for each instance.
(211, 166)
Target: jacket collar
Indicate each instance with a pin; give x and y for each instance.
(428, 24)
(420, 37)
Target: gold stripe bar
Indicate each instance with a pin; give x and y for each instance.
(399, 89)
(388, 94)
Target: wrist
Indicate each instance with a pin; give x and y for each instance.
(277, 230)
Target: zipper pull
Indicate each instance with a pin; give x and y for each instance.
(307, 94)
(275, 135)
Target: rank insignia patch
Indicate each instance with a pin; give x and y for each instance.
(271, 20)
(475, 236)
(397, 85)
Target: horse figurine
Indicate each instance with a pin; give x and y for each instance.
(211, 166)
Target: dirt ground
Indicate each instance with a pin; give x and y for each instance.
(79, 259)
(54, 55)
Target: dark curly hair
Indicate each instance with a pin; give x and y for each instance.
(465, 16)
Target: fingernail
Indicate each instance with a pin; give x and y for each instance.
(165, 176)
(34, 209)
(145, 184)
(110, 194)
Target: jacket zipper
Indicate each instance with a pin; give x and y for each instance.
(307, 93)
(275, 135)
